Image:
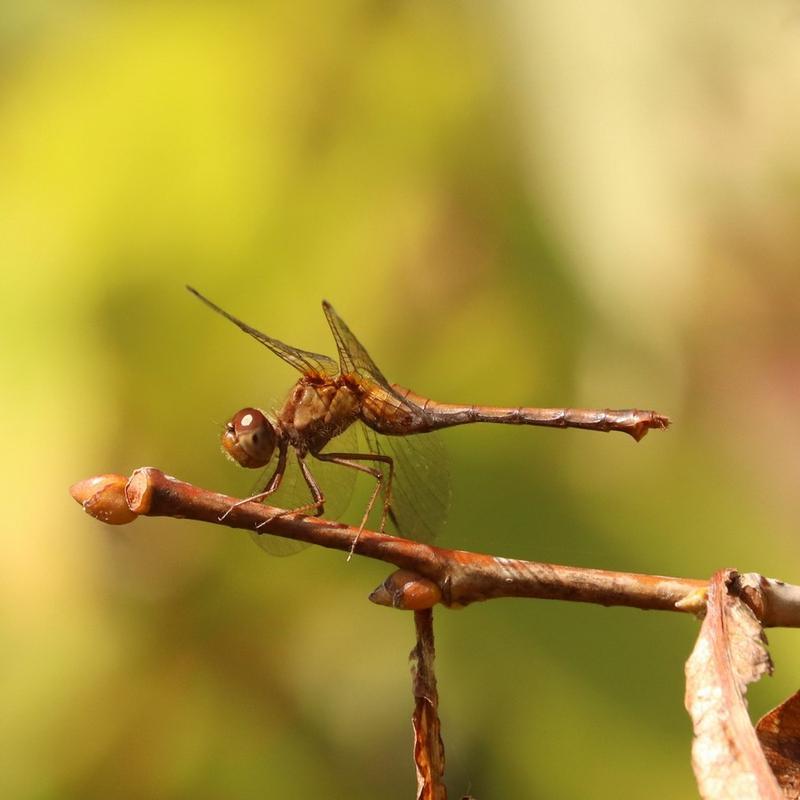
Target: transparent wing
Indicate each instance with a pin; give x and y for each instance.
(353, 357)
(335, 481)
(355, 360)
(303, 360)
(421, 487)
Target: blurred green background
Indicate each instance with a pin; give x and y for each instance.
(512, 203)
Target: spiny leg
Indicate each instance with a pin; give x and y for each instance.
(319, 499)
(346, 459)
(349, 460)
(273, 484)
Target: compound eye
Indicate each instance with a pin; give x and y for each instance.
(249, 438)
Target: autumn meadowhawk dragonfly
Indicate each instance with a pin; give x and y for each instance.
(329, 400)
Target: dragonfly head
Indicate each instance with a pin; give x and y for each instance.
(249, 438)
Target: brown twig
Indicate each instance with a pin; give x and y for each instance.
(428, 745)
(459, 577)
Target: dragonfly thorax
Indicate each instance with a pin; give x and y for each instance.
(316, 411)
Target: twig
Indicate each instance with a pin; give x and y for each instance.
(461, 577)
(428, 745)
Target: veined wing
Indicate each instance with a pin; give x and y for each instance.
(303, 360)
(355, 360)
(353, 356)
(421, 487)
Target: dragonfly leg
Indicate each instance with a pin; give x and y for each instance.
(318, 506)
(273, 484)
(351, 460)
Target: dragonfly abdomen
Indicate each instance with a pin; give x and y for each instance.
(632, 421)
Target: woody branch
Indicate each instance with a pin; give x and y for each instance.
(452, 577)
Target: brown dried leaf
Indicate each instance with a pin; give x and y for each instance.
(428, 745)
(729, 654)
(779, 733)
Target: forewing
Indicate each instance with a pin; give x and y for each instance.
(421, 486)
(353, 356)
(303, 360)
(335, 481)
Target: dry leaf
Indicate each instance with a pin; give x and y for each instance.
(729, 654)
(779, 734)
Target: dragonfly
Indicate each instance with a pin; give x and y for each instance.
(330, 399)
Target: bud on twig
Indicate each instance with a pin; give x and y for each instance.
(103, 497)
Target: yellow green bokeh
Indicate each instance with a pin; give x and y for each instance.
(510, 203)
